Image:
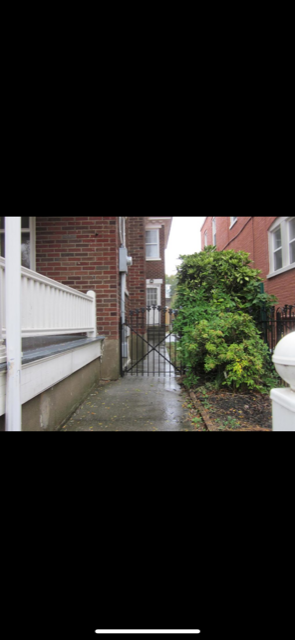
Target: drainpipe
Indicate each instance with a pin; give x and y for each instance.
(13, 322)
(124, 262)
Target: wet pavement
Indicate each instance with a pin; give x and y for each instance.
(133, 403)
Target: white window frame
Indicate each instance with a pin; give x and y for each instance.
(290, 240)
(214, 232)
(153, 228)
(206, 239)
(282, 222)
(32, 231)
(233, 220)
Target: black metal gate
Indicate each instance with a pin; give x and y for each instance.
(278, 324)
(148, 343)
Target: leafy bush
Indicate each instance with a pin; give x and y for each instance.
(229, 346)
(220, 302)
(223, 279)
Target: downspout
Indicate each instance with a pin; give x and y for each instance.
(125, 261)
(122, 310)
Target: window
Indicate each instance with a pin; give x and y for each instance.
(206, 239)
(152, 297)
(152, 244)
(27, 241)
(233, 220)
(292, 240)
(281, 246)
(214, 231)
(277, 249)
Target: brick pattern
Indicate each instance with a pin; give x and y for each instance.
(83, 253)
(250, 234)
(136, 278)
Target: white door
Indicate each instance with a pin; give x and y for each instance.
(153, 299)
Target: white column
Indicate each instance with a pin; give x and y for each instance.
(13, 322)
(93, 334)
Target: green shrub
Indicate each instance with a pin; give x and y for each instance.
(229, 346)
(220, 302)
(223, 279)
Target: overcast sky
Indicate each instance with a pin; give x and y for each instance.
(185, 238)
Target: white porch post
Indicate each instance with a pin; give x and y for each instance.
(13, 322)
(93, 334)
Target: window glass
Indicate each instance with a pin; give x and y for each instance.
(292, 252)
(25, 222)
(151, 250)
(152, 247)
(292, 229)
(278, 260)
(2, 222)
(152, 236)
(214, 231)
(152, 298)
(2, 245)
(26, 250)
(277, 239)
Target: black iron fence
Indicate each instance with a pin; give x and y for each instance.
(278, 324)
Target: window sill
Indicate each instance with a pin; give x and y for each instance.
(282, 270)
(233, 224)
(153, 259)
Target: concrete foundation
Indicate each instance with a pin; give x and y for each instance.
(110, 369)
(48, 411)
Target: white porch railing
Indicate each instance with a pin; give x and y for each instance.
(49, 308)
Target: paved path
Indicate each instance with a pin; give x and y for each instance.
(133, 404)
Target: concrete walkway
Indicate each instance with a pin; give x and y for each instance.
(133, 403)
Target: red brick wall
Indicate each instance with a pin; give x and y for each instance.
(136, 280)
(83, 253)
(155, 269)
(250, 234)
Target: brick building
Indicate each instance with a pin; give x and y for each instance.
(75, 286)
(269, 240)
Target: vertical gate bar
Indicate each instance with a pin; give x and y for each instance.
(132, 337)
(175, 362)
(165, 341)
(153, 329)
(170, 353)
(159, 324)
(142, 334)
(147, 348)
(137, 341)
(121, 346)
